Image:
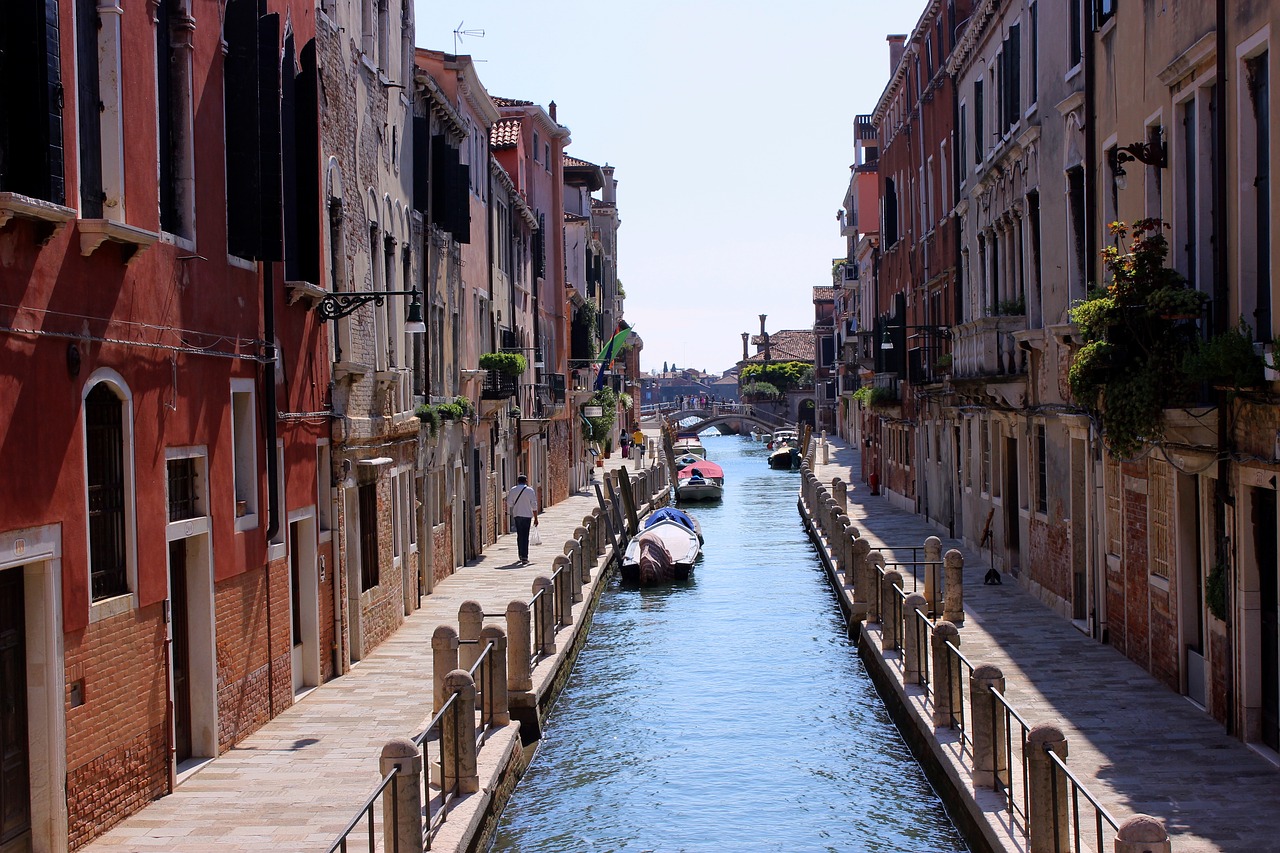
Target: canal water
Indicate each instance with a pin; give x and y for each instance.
(727, 714)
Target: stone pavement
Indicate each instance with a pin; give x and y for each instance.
(295, 783)
(1136, 745)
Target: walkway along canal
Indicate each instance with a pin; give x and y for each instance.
(728, 713)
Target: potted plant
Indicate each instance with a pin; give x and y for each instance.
(942, 363)
(429, 416)
(1227, 360)
(507, 363)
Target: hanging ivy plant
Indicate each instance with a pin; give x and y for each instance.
(1215, 591)
(1132, 364)
(429, 416)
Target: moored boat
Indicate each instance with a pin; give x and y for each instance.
(784, 457)
(688, 444)
(700, 481)
(664, 551)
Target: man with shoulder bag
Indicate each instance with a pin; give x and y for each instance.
(522, 503)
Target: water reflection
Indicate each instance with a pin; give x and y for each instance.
(729, 713)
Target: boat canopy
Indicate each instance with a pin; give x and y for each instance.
(708, 470)
(670, 514)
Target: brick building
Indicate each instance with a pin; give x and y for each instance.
(160, 552)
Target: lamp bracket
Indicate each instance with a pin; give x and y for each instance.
(335, 305)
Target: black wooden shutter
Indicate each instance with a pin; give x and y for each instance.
(462, 202)
(272, 194)
(289, 159)
(89, 109)
(421, 164)
(240, 106)
(307, 145)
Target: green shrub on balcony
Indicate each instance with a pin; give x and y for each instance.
(1227, 360)
(876, 396)
(1134, 361)
(508, 363)
(430, 417)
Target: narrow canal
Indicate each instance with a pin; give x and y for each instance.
(730, 713)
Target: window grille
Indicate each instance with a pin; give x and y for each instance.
(104, 440)
(368, 537)
(182, 489)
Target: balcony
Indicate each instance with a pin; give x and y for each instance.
(498, 385)
(986, 349)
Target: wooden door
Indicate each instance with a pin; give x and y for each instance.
(1264, 549)
(180, 650)
(15, 780)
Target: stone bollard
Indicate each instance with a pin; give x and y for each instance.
(402, 815)
(932, 573)
(591, 540)
(545, 615)
(493, 693)
(458, 736)
(913, 645)
(873, 565)
(826, 449)
(1142, 834)
(585, 562)
(987, 721)
(856, 576)
(519, 647)
(470, 621)
(1046, 813)
(840, 542)
(564, 588)
(947, 683)
(444, 659)
(841, 493)
(574, 567)
(953, 589)
(890, 624)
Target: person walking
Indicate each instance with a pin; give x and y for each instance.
(522, 503)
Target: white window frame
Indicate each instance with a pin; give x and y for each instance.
(108, 607)
(244, 458)
(200, 523)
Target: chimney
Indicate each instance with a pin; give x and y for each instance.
(609, 195)
(897, 47)
(762, 316)
(551, 110)
(745, 355)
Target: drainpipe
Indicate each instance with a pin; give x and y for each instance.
(273, 477)
(1221, 298)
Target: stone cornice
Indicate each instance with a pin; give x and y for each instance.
(911, 49)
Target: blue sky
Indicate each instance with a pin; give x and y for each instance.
(730, 125)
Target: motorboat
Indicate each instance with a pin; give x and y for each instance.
(670, 513)
(687, 460)
(664, 551)
(688, 444)
(700, 481)
(785, 456)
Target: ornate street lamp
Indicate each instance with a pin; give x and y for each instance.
(335, 305)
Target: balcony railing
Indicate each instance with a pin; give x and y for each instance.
(498, 385)
(986, 347)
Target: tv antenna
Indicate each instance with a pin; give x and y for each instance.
(460, 33)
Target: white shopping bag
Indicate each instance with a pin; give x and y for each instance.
(535, 538)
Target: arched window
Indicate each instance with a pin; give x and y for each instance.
(106, 484)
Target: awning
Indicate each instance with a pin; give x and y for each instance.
(706, 469)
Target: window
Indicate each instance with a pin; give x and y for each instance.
(397, 519)
(1193, 159)
(107, 480)
(384, 37)
(1255, 144)
(962, 140)
(88, 117)
(1042, 470)
(277, 471)
(173, 119)
(1075, 201)
(1075, 36)
(1159, 510)
(368, 500)
(244, 440)
(979, 144)
(30, 111)
(1012, 77)
(1153, 183)
(984, 432)
(546, 155)
(536, 146)
(1033, 222)
(241, 128)
(1033, 36)
(183, 499)
(1102, 11)
(890, 213)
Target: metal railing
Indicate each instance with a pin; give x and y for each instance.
(1006, 785)
(957, 664)
(438, 814)
(483, 672)
(367, 812)
(1102, 819)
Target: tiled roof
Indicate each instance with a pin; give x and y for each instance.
(786, 345)
(581, 164)
(511, 102)
(824, 293)
(505, 133)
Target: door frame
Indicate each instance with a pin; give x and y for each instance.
(202, 679)
(308, 593)
(37, 552)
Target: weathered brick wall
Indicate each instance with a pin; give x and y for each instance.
(328, 621)
(1218, 664)
(382, 608)
(117, 743)
(254, 678)
(1163, 635)
(1134, 613)
(558, 453)
(442, 539)
(1050, 552)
